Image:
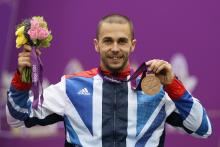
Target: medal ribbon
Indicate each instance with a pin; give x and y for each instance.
(37, 79)
(141, 69)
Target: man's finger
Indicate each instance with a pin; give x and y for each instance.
(157, 65)
(27, 48)
(153, 64)
(24, 59)
(24, 54)
(160, 68)
(24, 64)
(148, 63)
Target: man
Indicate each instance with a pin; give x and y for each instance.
(99, 108)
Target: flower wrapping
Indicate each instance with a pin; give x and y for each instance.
(34, 32)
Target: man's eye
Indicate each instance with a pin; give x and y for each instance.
(107, 41)
(122, 42)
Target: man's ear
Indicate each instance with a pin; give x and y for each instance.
(96, 45)
(133, 44)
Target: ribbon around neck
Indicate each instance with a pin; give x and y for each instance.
(142, 69)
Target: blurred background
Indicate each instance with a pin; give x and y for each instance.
(185, 33)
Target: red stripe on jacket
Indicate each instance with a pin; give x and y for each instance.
(175, 89)
(18, 84)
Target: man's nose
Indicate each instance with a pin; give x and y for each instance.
(115, 47)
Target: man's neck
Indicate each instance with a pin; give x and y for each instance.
(122, 74)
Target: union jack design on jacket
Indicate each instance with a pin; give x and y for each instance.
(99, 113)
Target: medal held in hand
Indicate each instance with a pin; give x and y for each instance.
(35, 33)
(150, 84)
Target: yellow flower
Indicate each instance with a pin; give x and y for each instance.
(21, 39)
(20, 31)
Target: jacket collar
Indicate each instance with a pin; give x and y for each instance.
(122, 75)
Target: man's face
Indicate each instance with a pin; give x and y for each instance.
(114, 46)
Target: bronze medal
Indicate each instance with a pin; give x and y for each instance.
(150, 84)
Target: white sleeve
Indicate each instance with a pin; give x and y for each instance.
(19, 106)
(190, 115)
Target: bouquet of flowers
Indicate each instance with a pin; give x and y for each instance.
(34, 32)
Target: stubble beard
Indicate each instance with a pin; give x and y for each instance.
(114, 70)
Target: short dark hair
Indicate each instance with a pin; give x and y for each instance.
(115, 18)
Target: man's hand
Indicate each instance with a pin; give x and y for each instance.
(162, 69)
(24, 58)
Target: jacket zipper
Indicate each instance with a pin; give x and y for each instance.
(115, 102)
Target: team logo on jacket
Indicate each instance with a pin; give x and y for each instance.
(84, 91)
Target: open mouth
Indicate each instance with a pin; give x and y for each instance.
(116, 59)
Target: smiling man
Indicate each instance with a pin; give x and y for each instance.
(114, 42)
(101, 107)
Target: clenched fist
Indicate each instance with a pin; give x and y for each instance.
(24, 58)
(162, 69)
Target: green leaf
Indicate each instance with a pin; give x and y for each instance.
(26, 75)
(46, 42)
